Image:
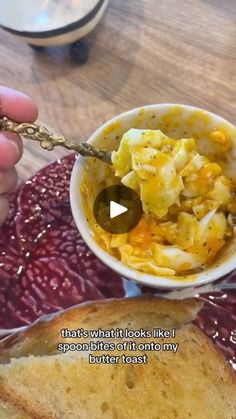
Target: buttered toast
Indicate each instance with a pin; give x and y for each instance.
(195, 382)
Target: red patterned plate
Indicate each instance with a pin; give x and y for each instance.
(45, 265)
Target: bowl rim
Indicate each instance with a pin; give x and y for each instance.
(156, 281)
(77, 24)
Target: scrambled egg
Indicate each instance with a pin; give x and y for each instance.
(186, 202)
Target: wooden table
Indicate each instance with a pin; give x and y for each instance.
(143, 51)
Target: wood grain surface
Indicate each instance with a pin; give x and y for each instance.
(143, 51)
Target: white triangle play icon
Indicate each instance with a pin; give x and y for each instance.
(116, 209)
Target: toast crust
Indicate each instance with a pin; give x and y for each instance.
(22, 410)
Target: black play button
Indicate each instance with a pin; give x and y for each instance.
(117, 209)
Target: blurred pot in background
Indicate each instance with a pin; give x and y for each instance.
(51, 22)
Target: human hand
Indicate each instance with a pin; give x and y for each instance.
(20, 108)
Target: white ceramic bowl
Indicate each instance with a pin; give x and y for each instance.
(177, 121)
(51, 22)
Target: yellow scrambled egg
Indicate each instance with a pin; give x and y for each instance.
(186, 203)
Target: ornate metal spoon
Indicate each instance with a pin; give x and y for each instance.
(48, 140)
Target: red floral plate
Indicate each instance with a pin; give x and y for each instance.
(46, 266)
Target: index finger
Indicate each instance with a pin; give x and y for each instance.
(17, 106)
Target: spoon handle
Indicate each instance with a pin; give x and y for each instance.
(48, 140)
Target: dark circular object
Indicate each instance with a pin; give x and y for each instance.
(79, 52)
(121, 195)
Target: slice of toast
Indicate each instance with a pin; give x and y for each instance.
(195, 382)
(145, 311)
